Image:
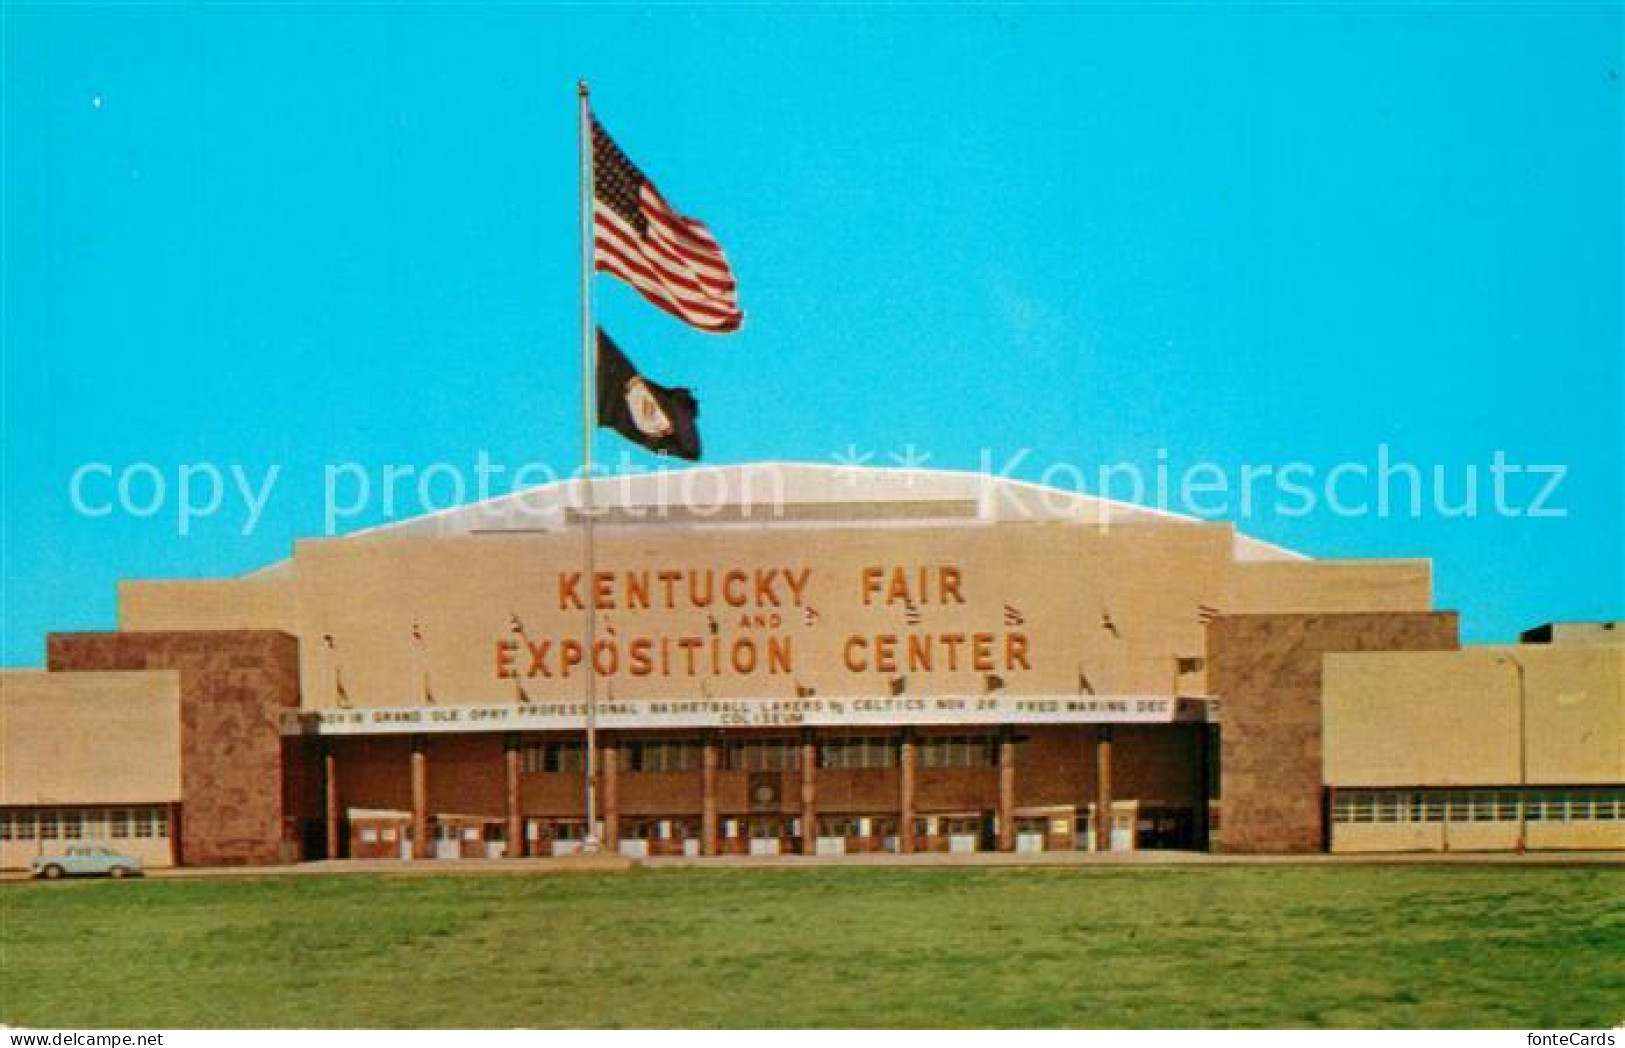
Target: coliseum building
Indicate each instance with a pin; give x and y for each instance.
(814, 660)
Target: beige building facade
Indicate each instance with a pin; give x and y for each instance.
(802, 659)
(89, 758)
(1528, 747)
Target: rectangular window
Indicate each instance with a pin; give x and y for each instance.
(959, 751)
(118, 824)
(763, 829)
(763, 755)
(553, 758)
(160, 822)
(837, 827)
(73, 826)
(5, 826)
(569, 831)
(664, 755)
(142, 823)
(876, 751)
(49, 829)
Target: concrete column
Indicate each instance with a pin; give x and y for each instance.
(422, 846)
(1007, 791)
(516, 825)
(330, 791)
(1103, 788)
(907, 759)
(809, 793)
(609, 770)
(708, 816)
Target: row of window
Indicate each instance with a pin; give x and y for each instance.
(962, 751)
(859, 751)
(685, 755)
(762, 755)
(662, 755)
(828, 826)
(76, 824)
(553, 758)
(1569, 804)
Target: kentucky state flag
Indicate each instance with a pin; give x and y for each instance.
(644, 412)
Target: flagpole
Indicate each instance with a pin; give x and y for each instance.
(588, 419)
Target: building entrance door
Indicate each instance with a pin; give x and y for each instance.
(964, 834)
(568, 836)
(1122, 831)
(1173, 828)
(765, 834)
(832, 835)
(1030, 833)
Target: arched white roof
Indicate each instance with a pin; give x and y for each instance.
(791, 494)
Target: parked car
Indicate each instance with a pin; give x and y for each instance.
(87, 860)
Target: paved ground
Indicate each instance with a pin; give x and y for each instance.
(620, 864)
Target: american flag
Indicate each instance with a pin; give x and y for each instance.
(673, 260)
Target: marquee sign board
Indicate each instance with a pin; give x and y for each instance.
(812, 712)
(945, 612)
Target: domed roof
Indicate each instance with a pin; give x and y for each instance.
(793, 495)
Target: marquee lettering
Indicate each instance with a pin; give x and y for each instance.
(684, 656)
(672, 589)
(923, 585)
(755, 638)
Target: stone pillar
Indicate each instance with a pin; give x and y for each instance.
(609, 769)
(1265, 671)
(809, 793)
(516, 825)
(1007, 791)
(1103, 788)
(905, 793)
(422, 847)
(330, 790)
(708, 817)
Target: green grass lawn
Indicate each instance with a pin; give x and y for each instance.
(1231, 947)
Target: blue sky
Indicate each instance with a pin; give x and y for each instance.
(298, 236)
